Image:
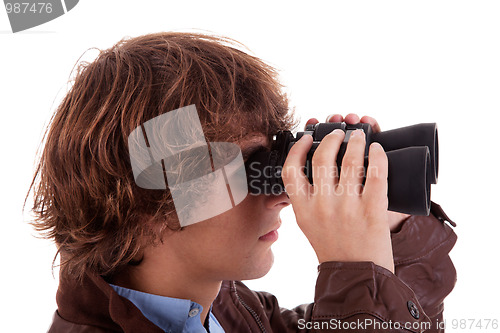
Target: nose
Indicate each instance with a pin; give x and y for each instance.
(272, 201)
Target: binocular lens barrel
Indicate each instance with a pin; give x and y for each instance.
(409, 180)
(421, 135)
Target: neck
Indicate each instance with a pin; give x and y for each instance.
(176, 280)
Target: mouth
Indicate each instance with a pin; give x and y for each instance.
(272, 235)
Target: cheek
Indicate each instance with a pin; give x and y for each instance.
(233, 240)
(228, 247)
(244, 257)
(235, 231)
(232, 251)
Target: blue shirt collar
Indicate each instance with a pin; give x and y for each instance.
(170, 314)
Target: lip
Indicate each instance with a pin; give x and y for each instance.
(272, 235)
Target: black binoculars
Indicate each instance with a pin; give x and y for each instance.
(412, 154)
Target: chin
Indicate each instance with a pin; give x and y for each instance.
(259, 267)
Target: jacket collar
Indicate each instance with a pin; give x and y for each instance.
(94, 302)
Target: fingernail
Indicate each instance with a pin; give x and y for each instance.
(304, 135)
(357, 132)
(338, 131)
(376, 145)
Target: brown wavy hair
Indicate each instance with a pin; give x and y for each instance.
(85, 197)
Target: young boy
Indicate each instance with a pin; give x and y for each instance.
(129, 263)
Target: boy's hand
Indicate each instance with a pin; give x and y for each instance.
(395, 219)
(342, 220)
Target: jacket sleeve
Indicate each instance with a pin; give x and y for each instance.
(364, 297)
(421, 258)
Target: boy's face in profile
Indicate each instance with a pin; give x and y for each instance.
(228, 246)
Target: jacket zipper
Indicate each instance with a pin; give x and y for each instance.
(249, 309)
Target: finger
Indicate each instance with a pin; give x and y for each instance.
(375, 188)
(334, 118)
(351, 118)
(294, 179)
(373, 123)
(352, 170)
(311, 121)
(324, 161)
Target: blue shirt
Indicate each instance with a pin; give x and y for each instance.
(170, 314)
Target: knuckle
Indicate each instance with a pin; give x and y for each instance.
(324, 210)
(321, 156)
(350, 161)
(379, 154)
(376, 172)
(293, 151)
(355, 143)
(348, 212)
(319, 159)
(374, 205)
(287, 172)
(292, 158)
(378, 158)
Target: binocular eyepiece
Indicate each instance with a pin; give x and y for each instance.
(412, 154)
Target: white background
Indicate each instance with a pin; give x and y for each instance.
(402, 62)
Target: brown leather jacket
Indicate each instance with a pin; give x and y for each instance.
(349, 296)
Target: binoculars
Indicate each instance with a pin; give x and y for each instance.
(412, 154)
